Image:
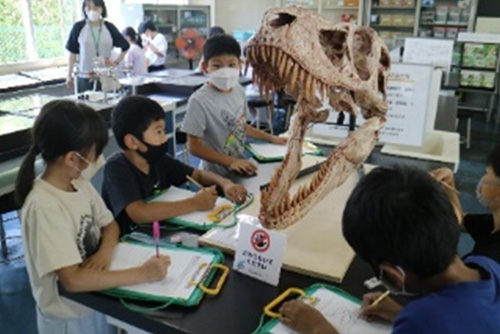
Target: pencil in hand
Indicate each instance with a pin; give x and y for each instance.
(193, 181)
(380, 298)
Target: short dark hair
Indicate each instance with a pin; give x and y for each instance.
(215, 30)
(494, 160)
(146, 25)
(133, 115)
(402, 216)
(221, 44)
(97, 3)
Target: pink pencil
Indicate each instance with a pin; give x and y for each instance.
(156, 235)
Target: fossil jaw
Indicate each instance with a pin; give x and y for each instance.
(345, 75)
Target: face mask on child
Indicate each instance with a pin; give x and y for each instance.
(93, 15)
(92, 168)
(154, 152)
(224, 78)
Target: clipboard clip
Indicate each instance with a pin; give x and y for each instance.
(221, 212)
(222, 279)
(268, 310)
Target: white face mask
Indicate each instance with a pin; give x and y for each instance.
(224, 78)
(93, 15)
(93, 167)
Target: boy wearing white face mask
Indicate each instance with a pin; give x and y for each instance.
(400, 221)
(217, 113)
(483, 228)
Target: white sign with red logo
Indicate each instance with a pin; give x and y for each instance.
(259, 253)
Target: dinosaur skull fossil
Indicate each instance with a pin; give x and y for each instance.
(315, 61)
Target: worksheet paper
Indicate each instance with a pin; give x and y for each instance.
(270, 151)
(342, 313)
(186, 266)
(174, 194)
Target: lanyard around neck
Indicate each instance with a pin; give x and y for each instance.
(97, 40)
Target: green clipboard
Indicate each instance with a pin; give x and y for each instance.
(267, 328)
(251, 148)
(206, 225)
(197, 286)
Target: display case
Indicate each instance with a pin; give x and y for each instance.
(333, 10)
(342, 10)
(169, 20)
(393, 19)
(446, 18)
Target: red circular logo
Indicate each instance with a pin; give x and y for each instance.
(260, 240)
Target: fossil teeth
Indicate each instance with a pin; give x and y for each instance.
(263, 53)
(295, 73)
(313, 88)
(302, 75)
(308, 86)
(273, 56)
(283, 63)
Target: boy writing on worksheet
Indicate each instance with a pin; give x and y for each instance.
(215, 121)
(401, 222)
(144, 167)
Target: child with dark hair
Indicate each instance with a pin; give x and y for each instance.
(144, 168)
(216, 117)
(484, 228)
(155, 44)
(135, 58)
(92, 41)
(401, 222)
(68, 233)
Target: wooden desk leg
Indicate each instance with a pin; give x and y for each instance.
(3, 239)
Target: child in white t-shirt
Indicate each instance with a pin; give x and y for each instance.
(68, 234)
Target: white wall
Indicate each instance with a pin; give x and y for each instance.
(241, 14)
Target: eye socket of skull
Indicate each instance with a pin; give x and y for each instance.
(282, 20)
(333, 40)
(385, 59)
(362, 42)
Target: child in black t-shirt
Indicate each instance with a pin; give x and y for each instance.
(133, 175)
(484, 228)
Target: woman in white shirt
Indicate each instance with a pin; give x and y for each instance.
(135, 58)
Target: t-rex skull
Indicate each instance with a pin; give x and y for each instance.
(315, 61)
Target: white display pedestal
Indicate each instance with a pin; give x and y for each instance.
(438, 146)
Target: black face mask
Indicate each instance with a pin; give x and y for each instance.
(154, 152)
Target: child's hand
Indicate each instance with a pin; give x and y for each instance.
(236, 193)
(243, 166)
(304, 319)
(155, 269)
(98, 261)
(205, 199)
(387, 309)
(279, 140)
(444, 175)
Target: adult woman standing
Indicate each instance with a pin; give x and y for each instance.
(92, 40)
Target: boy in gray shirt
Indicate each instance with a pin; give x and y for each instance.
(216, 116)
